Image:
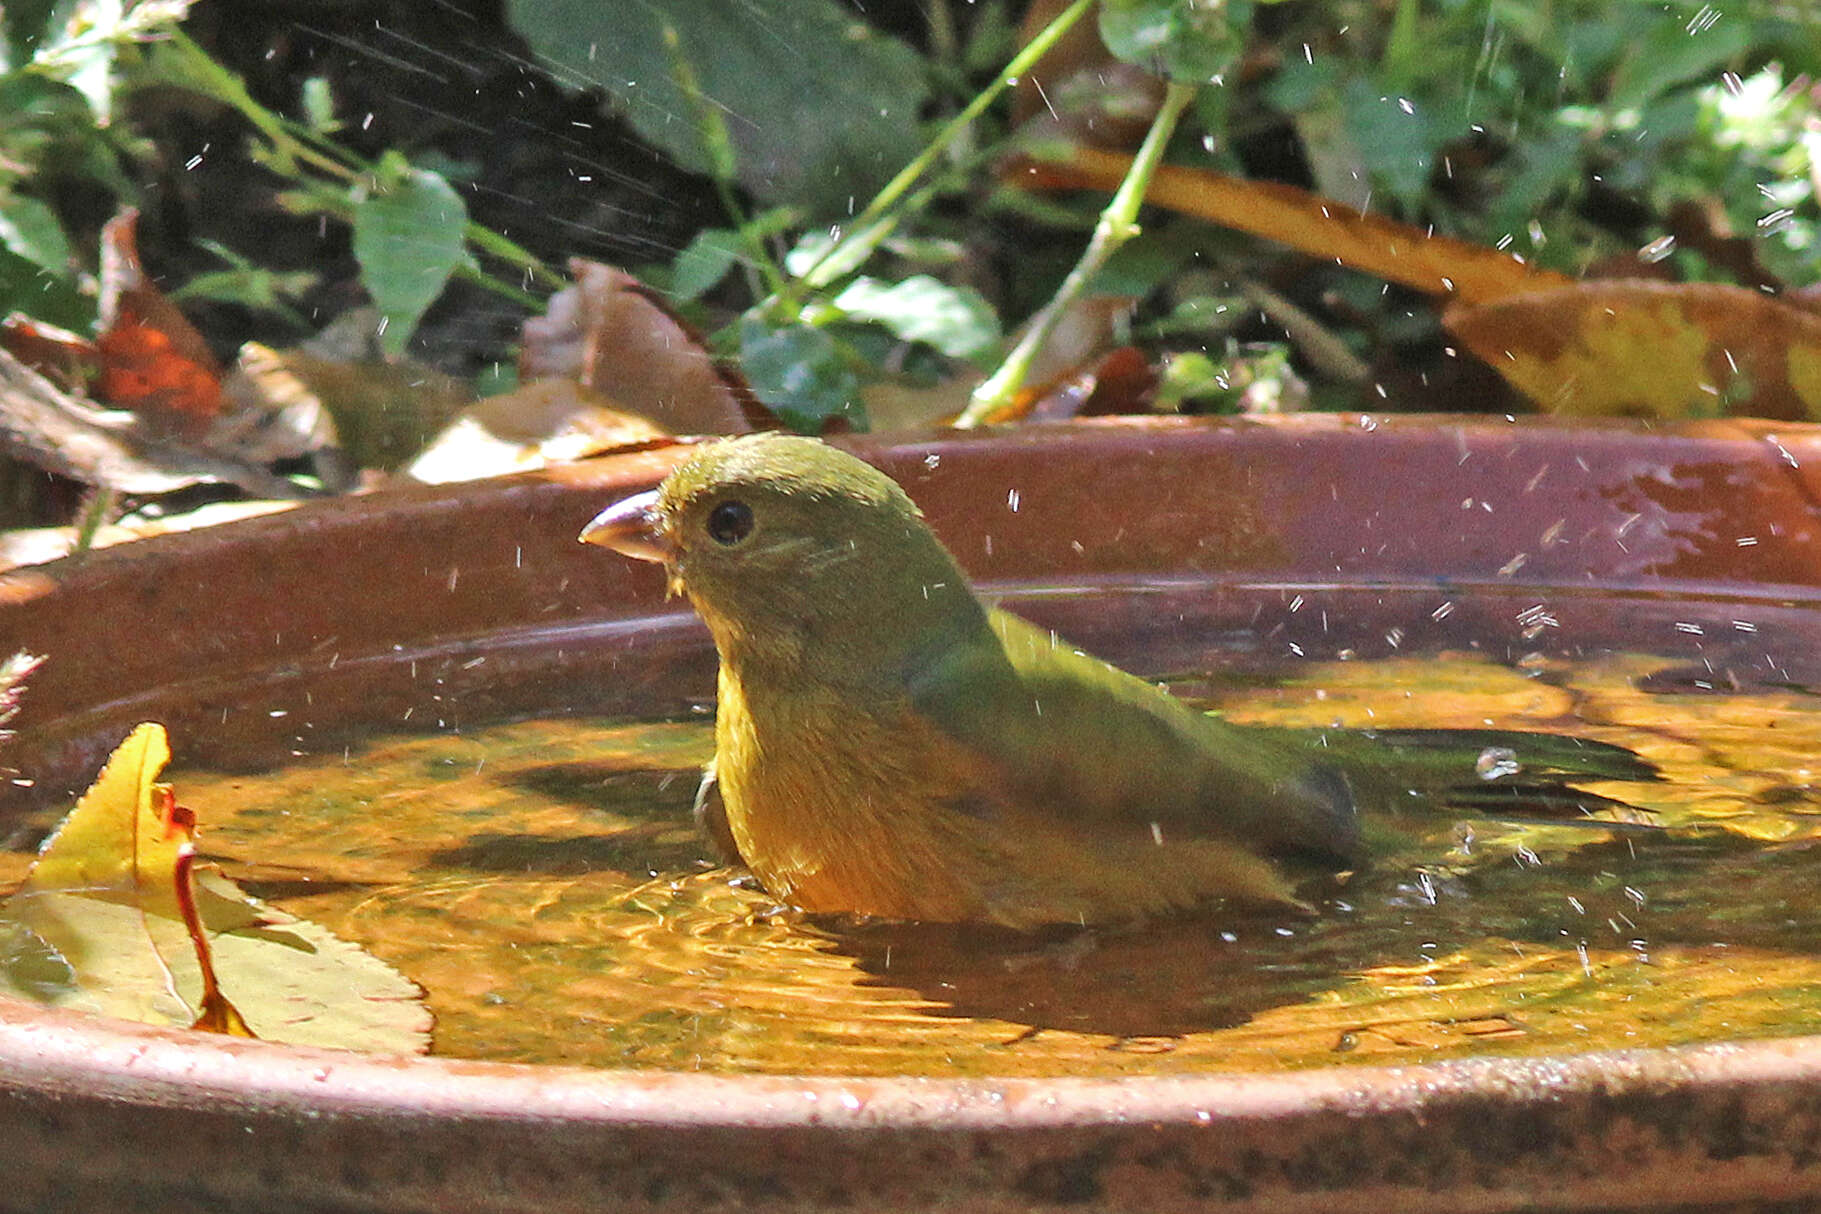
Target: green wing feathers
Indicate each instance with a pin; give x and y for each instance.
(1077, 737)
(1069, 734)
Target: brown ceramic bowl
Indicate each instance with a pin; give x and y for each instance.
(297, 631)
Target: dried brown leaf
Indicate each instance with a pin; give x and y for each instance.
(612, 335)
(1321, 227)
(49, 429)
(153, 361)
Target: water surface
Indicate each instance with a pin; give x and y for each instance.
(543, 882)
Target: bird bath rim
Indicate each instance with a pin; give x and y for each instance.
(137, 1117)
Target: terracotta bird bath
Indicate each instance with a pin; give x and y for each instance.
(296, 632)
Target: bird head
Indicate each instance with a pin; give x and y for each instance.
(784, 543)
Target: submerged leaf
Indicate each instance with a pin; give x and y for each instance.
(102, 898)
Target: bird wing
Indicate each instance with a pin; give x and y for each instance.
(1068, 735)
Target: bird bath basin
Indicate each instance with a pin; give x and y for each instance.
(287, 638)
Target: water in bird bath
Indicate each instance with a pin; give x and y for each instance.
(543, 882)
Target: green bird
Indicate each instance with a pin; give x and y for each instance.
(887, 745)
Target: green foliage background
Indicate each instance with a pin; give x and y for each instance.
(1569, 131)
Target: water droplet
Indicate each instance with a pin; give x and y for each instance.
(1496, 762)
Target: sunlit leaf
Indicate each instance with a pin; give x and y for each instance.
(80, 42)
(408, 239)
(801, 374)
(112, 919)
(106, 896)
(1651, 349)
(955, 320)
(543, 422)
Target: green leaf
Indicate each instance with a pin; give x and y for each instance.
(703, 263)
(31, 229)
(1148, 260)
(252, 287)
(801, 374)
(1302, 85)
(1674, 51)
(820, 107)
(28, 287)
(811, 247)
(1396, 133)
(1192, 41)
(408, 240)
(955, 320)
(1544, 168)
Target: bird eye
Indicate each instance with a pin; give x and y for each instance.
(730, 522)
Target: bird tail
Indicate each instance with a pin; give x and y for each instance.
(1507, 774)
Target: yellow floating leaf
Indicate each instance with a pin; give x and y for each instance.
(112, 919)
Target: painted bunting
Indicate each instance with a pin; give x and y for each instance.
(885, 744)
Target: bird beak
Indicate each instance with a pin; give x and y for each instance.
(632, 528)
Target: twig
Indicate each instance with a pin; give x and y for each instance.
(98, 507)
(1118, 224)
(880, 217)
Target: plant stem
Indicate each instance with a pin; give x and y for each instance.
(97, 509)
(1118, 224)
(881, 216)
(512, 253)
